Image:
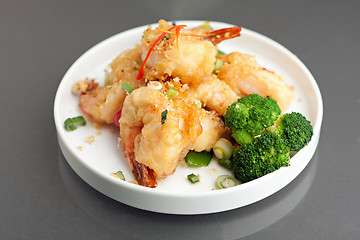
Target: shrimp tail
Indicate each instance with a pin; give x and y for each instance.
(220, 35)
(142, 173)
(92, 85)
(88, 98)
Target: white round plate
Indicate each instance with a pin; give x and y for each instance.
(94, 162)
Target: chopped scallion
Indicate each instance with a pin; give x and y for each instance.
(166, 36)
(217, 65)
(225, 181)
(197, 103)
(71, 124)
(206, 25)
(193, 178)
(120, 175)
(164, 116)
(225, 162)
(127, 87)
(223, 148)
(172, 92)
(220, 52)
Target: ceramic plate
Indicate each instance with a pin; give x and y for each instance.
(94, 162)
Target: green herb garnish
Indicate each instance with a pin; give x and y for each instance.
(198, 103)
(172, 92)
(71, 124)
(220, 52)
(120, 175)
(164, 116)
(217, 65)
(166, 36)
(127, 87)
(193, 178)
(225, 181)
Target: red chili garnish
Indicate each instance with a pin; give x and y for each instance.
(178, 29)
(116, 118)
(267, 70)
(141, 71)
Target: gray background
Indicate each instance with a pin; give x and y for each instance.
(42, 198)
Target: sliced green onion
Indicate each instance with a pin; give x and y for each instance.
(225, 181)
(79, 120)
(127, 87)
(164, 116)
(120, 175)
(206, 25)
(223, 148)
(172, 92)
(71, 124)
(197, 103)
(166, 36)
(217, 65)
(220, 52)
(225, 162)
(198, 159)
(193, 178)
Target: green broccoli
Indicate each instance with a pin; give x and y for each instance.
(294, 129)
(264, 155)
(250, 116)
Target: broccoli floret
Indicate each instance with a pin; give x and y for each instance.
(294, 129)
(250, 116)
(264, 155)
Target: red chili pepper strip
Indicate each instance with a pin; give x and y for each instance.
(141, 71)
(178, 29)
(116, 117)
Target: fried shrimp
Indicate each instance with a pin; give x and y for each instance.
(214, 94)
(157, 132)
(178, 56)
(125, 67)
(101, 103)
(245, 76)
(213, 128)
(189, 54)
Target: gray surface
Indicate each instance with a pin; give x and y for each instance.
(42, 198)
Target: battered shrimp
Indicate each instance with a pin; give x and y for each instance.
(245, 76)
(125, 67)
(189, 55)
(187, 58)
(213, 128)
(214, 94)
(101, 103)
(156, 133)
